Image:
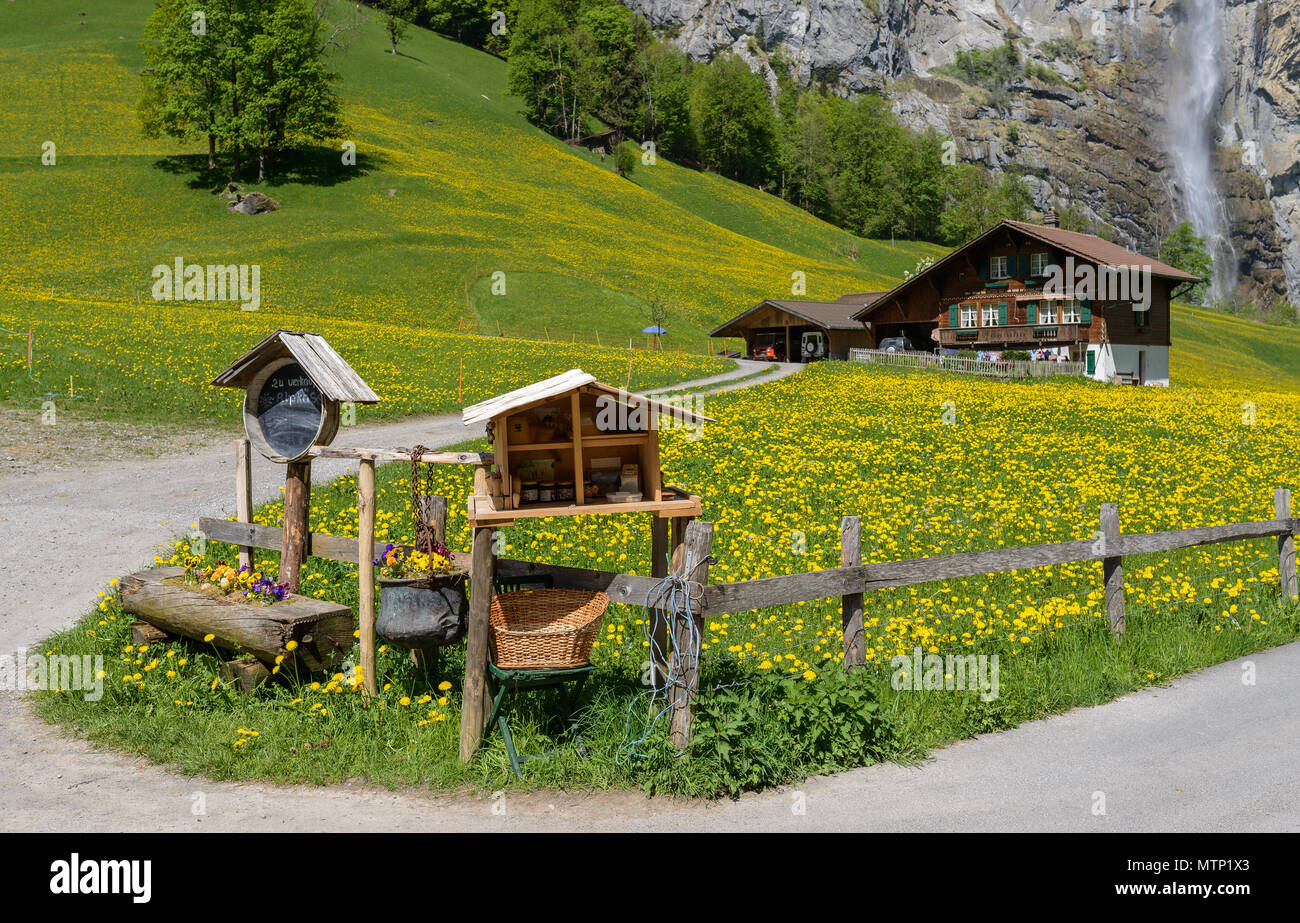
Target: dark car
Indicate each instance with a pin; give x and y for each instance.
(897, 345)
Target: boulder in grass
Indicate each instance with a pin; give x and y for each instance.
(255, 203)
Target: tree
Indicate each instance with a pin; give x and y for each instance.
(1183, 250)
(543, 67)
(734, 122)
(397, 19)
(466, 21)
(187, 88)
(246, 74)
(291, 99)
(976, 203)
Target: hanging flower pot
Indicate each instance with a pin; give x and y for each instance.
(423, 602)
(423, 612)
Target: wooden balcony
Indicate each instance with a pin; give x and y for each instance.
(1026, 335)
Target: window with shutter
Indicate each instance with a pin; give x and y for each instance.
(1024, 266)
(1086, 306)
(1002, 313)
(952, 315)
(984, 270)
(1031, 312)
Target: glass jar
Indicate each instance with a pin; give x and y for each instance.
(564, 490)
(546, 492)
(528, 492)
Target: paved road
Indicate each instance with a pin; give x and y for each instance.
(1207, 754)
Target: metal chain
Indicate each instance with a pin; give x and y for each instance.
(423, 528)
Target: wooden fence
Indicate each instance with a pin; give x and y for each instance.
(967, 365)
(850, 581)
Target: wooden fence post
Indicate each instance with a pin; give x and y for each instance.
(244, 493)
(855, 644)
(297, 512)
(1112, 569)
(686, 667)
(366, 573)
(474, 694)
(656, 628)
(1285, 545)
(435, 513)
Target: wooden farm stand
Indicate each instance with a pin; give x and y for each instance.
(567, 422)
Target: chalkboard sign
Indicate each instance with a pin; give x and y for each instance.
(285, 413)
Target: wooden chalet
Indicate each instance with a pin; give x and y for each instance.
(996, 293)
(781, 324)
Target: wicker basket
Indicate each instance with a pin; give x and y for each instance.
(545, 629)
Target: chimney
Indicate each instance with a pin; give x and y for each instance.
(1051, 220)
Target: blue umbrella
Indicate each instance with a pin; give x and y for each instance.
(654, 329)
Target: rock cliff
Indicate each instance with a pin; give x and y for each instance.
(1164, 110)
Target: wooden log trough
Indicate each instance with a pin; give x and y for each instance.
(322, 629)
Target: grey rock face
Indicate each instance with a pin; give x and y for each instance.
(1101, 141)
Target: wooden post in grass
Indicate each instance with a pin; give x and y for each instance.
(855, 642)
(366, 573)
(1285, 545)
(474, 694)
(29, 350)
(686, 667)
(655, 628)
(297, 509)
(1112, 569)
(244, 493)
(435, 513)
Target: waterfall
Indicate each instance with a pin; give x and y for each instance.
(1198, 41)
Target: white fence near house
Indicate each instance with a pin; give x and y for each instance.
(967, 365)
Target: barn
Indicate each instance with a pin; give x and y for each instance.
(780, 326)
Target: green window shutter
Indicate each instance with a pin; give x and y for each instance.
(952, 315)
(1002, 313)
(1086, 310)
(1031, 312)
(984, 270)
(1024, 266)
(1092, 362)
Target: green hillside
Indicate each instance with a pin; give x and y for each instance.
(392, 259)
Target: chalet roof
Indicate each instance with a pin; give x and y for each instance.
(336, 379)
(1086, 246)
(830, 315)
(563, 384)
(1099, 251)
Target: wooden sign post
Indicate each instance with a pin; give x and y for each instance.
(293, 384)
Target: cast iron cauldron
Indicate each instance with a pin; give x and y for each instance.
(423, 612)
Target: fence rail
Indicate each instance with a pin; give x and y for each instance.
(1014, 368)
(849, 581)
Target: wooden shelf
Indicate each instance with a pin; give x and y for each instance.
(674, 503)
(559, 445)
(613, 439)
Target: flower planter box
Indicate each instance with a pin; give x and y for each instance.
(322, 629)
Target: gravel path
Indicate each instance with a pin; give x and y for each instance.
(1206, 754)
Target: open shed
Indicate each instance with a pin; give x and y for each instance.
(782, 324)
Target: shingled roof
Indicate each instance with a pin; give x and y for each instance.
(830, 315)
(333, 376)
(1085, 246)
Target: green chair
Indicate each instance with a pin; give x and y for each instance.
(503, 681)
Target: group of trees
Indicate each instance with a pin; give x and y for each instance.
(249, 76)
(583, 65)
